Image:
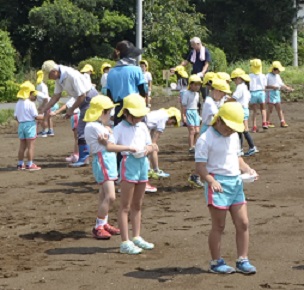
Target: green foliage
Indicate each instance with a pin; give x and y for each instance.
(8, 91)
(219, 62)
(6, 116)
(7, 57)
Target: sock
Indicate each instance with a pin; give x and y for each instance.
(106, 218)
(100, 222)
(29, 163)
(156, 169)
(20, 162)
(282, 120)
(46, 130)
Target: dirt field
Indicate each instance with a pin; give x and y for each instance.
(46, 219)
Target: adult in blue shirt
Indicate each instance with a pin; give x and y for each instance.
(125, 78)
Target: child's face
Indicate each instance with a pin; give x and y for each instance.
(275, 71)
(33, 96)
(195, 87)
(237, 81)
(105, 116)
(171, 122)
(222, 128)
(217, 95)
(143, 67)
(106, 70)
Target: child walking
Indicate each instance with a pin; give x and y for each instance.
(242, 95)
(131, 131)
(104, 161)
(144, 65)
(105, 68)
(218, 161)
(190, 103)
(257, 87)
(26, 115)
(275, 84)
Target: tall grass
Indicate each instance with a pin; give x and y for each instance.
(6, 116)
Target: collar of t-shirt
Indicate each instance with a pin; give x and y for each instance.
(129, 124)
(63, 74)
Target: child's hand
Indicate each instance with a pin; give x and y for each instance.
(103, 139)
(215, 186)
(252, 172)
(132, 149)
(69, 113)
(53, 113)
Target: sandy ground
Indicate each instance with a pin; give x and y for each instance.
(46, 219)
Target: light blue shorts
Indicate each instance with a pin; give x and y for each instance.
(55, 107)
(274, 97)
(27, 130)
(134, 169)
(233, 193)
(203, 129)
(74, 120)
(104, 91)
(257, 97)
(104, 166)
(193, 119)
(246, 113)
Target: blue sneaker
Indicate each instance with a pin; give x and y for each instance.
(51, 133)
(42, 134)
(244, 266)
(220, 267)
(250, 152)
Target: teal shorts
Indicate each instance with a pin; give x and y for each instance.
(133, 169)
(104, 166)
(233, 193)
(27, 130)
(246, 113)
(55, 107)
(274, 97)
(257, 97)
(74, 120)
(193, 119)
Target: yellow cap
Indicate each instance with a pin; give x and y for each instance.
(39, 77)
(256, 66)
(97, 105)
(194, 79)
(276, 64)
(223, 76)
(174, 112)
(103, 66)
(221, 85)
(232, 114)
(180, 69)
(143, 61)
(239, 73)
(135, 104)
(25, 90)
(87, 68)
(209, 76)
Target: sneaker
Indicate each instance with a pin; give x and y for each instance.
(51, 133)
(21, 167)
(141, 243)
(112, 230)
(42, 134)
(256, 149)
(254, 129)
(250, 152)
(220, 267)
(270, 125)
(265, 125)
(150, 188)
(33, 167)
(192, 150)
(242, 152)
(157, 174)
(73, 158)
(100, 233)
(244, 266)
(195, 181)
(128, 247)
(284, 124)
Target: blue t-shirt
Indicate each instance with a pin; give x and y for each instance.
(124, 80)
(198, 65)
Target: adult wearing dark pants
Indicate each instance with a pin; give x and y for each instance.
(77, 86)
(200, 59)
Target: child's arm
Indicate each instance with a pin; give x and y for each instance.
(204, 174)
(111, 147)
(286, 88)
(39, 117)
(61, 109)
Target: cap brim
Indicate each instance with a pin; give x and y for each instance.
(134, 52)
(234, 126)
(135, 112)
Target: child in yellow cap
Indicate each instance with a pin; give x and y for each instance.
(190, 103)
(275, 84)
(218, 161)
(144, 65)
(257, 88)
(26, 114)
(105, 68)
(87, 70)
(104, 161)
(131, 131)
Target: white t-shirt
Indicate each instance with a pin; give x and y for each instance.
(274, 80)
(257, 82)
(72, 81)
(136, 136)
(43, 93)
(190, 100)
(25, 110)
(70, 103)
(147, 76)
(91, 132)
(156, 120)
(242, 95)
(209, 109)
(103, 80)
(220, 153)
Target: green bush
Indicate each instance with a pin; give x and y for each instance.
(6, 116)
(7, 58)
(8, 91)
(219, 61)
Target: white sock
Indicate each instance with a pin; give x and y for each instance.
(100, 222)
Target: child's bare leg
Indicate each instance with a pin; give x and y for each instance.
(191, 136)
(106, 197)
(279, 111)
(22, 148)
(138, 196)
(254, 114)
(127, 191)
(240, 219)
(30, 143)
(269, 111)
(154, 160)
(218, 218)
(196, 134)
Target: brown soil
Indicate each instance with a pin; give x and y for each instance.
(46, 219)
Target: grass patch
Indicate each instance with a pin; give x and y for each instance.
(6, 116)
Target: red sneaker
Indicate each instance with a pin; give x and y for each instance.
(33, 167)
(100, 233)
(254, 129)
(284, 124)
(150, 188)
(265, 125)
(112, 230)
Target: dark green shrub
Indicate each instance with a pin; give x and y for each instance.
(8, 91)
(219, 61)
